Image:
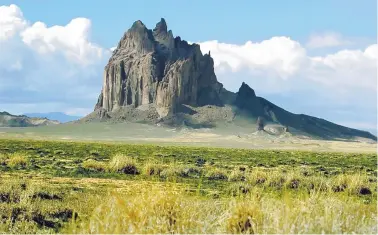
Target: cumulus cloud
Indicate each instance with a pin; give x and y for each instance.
(11, 21)
(279, 55)
(281, 58)
(328, 39)
(40, 64)
(70, 40)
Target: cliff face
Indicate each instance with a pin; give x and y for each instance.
(153, 67)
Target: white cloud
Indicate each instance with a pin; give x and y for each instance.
(58, 64)
(11, 21)
(279, 55)
(328, 39)
(71, 40)
(281, 58)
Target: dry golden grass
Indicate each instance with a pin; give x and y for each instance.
(94, 165)
(124, 164)
(17, 161)
(151, 168)
(157, 210)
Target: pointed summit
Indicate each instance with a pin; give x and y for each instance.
(164, 37)
(138, 25)
(150, 67)
(137, 39)
(161, 27)
(246, 91)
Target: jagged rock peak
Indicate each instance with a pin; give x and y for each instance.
(246, 90)
(151, 67)
(161, 26)
(138, 24)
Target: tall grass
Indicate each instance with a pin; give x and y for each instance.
(157, 210)
(17, 161)
(124, 164)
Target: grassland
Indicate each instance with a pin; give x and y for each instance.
(83, 187)
(225, 136)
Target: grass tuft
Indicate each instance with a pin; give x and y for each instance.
(123, 164)
(91, 164)
(18, 161)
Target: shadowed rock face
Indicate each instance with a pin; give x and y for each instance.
(153, 67)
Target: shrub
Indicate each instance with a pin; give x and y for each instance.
(237, 175)
(94, 153)
(363, 190)
(18, 161)
(94, 165)
(216, 174)
(189, 171)
(123, 164)
(257, 176)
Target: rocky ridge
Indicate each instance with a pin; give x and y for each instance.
(9, 120)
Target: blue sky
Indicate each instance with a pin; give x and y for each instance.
(313, 57)
(228, 21)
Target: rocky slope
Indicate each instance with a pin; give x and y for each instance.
(154, 77)
(9, 120)
(249, 104)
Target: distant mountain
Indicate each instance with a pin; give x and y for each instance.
(154, 77)
(9, 120)
(61, 117)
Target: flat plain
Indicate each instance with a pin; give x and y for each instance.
(97, 179)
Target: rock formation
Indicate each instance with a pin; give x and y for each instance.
(153, 76)
(153, 67)
(260, 124)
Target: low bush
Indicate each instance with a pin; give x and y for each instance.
(216, 174)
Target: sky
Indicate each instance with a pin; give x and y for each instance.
(312, 57)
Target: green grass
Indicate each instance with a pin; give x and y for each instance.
(68, 187)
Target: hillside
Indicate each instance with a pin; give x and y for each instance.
(59, 116)
(9, 120)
